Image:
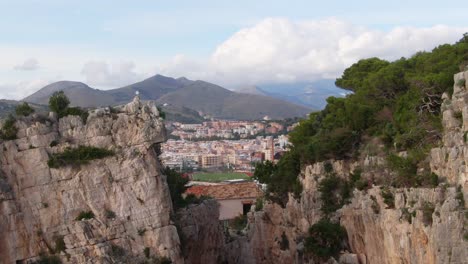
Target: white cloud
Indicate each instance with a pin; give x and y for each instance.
(100, 73)
(30, 64)
(272, 50)
(22, 89)
(282, 50)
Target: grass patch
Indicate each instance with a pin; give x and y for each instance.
(78, 156)
(85, 215)
(219, 176)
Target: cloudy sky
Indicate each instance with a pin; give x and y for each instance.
(111, 43)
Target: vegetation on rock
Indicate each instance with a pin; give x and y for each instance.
(85, 215)
(59, 103)
(176, 182)
(334, 193)
(280, 178)
(397, 102)
(325, 239)
(9, 130)
(78, 156)
(24, 109)
(239, 222)
(176, 187)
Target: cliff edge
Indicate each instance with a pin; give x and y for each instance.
(111, 210)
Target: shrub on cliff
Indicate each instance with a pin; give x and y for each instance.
(78, 156)
(24, 109)
(59, 103)
(85, 215)
(325, 239)
(9, 130)
(334, 193)
(281, 178)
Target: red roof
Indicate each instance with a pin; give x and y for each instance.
(227, 191)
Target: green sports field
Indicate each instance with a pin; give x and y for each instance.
(219, 176)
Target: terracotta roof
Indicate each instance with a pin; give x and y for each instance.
(227, 191)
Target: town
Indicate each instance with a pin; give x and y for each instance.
(224, 145)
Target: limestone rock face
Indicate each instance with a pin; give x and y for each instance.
(425, 225)
(127, 193)
(202, 233)
(450, 160)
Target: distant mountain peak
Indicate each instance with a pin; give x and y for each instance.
(198, 95)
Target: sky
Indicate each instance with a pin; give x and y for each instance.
(110, 44)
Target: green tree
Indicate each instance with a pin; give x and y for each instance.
(24, 109)
(354, 77)
(177, 187)
(59, 103)
(9, 130)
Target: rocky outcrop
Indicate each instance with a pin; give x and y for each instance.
(127, 193)
(201, 233)
(421, 225)
(424, 226)
(450, 160)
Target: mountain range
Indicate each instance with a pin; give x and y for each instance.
(309, 94)
(180, 95)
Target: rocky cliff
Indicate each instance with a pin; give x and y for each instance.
(418, 225)
(201, 233)
(125, 196)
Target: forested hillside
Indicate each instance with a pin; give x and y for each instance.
(394, 104)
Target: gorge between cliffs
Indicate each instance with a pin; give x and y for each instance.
(118, 209)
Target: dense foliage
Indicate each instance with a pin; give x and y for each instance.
(397, 102)
(280, 178)
(334, 193)
(77, 156)
(325, 239)
(24, 109)
(59, 102)
(176, 187)
(9, 130)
